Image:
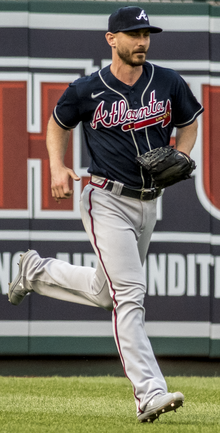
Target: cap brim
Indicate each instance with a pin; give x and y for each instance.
(151, 29)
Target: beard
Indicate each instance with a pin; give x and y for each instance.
(128, 59)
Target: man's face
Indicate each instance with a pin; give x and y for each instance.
(132, 46)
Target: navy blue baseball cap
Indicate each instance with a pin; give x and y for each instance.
(130, 18)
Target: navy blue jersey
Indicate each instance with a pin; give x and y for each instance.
(121, 121)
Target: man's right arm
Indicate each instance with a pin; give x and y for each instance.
(57, 143)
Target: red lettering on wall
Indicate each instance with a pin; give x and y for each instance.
(211, 148)
(51, 92)
(16, 145)
(13, 145)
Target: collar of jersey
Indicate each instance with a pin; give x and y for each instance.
(118, 85)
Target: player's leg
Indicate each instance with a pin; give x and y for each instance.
(164, 402)
(115, 226)
(60, 280)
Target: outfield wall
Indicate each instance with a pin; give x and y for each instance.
(44, 46)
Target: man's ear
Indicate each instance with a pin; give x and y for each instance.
(110, 38)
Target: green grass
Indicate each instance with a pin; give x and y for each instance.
(101, 405)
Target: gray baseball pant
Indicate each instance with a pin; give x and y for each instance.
(119, 229)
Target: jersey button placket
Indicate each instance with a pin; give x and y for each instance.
(132, 96)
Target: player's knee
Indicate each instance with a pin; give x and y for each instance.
(108, 305)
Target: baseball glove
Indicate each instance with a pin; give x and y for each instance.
(167, 165)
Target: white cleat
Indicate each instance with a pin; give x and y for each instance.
(160, 404)
(17, 291)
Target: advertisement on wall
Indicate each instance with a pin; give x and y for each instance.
(45, 49)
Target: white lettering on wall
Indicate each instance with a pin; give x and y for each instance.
(166, 274)
(157, 275)
(178, 275)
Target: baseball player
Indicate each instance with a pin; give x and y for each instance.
(127, 109)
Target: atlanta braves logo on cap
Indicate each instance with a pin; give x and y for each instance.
(130, 18)
(142, 15)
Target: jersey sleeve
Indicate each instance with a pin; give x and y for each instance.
(186, 108)
(66, 112)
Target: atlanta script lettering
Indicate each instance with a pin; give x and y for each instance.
(119, 114)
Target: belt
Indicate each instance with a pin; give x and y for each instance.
(144, 194)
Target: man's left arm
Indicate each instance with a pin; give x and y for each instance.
(186, 137)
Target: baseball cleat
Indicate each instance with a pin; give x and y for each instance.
(17, 291)
(160, 404)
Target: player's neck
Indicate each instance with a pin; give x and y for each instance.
(126, 73)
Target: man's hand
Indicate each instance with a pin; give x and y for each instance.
(57, 142)
(60, 187)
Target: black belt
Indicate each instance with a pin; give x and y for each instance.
(144, 194)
